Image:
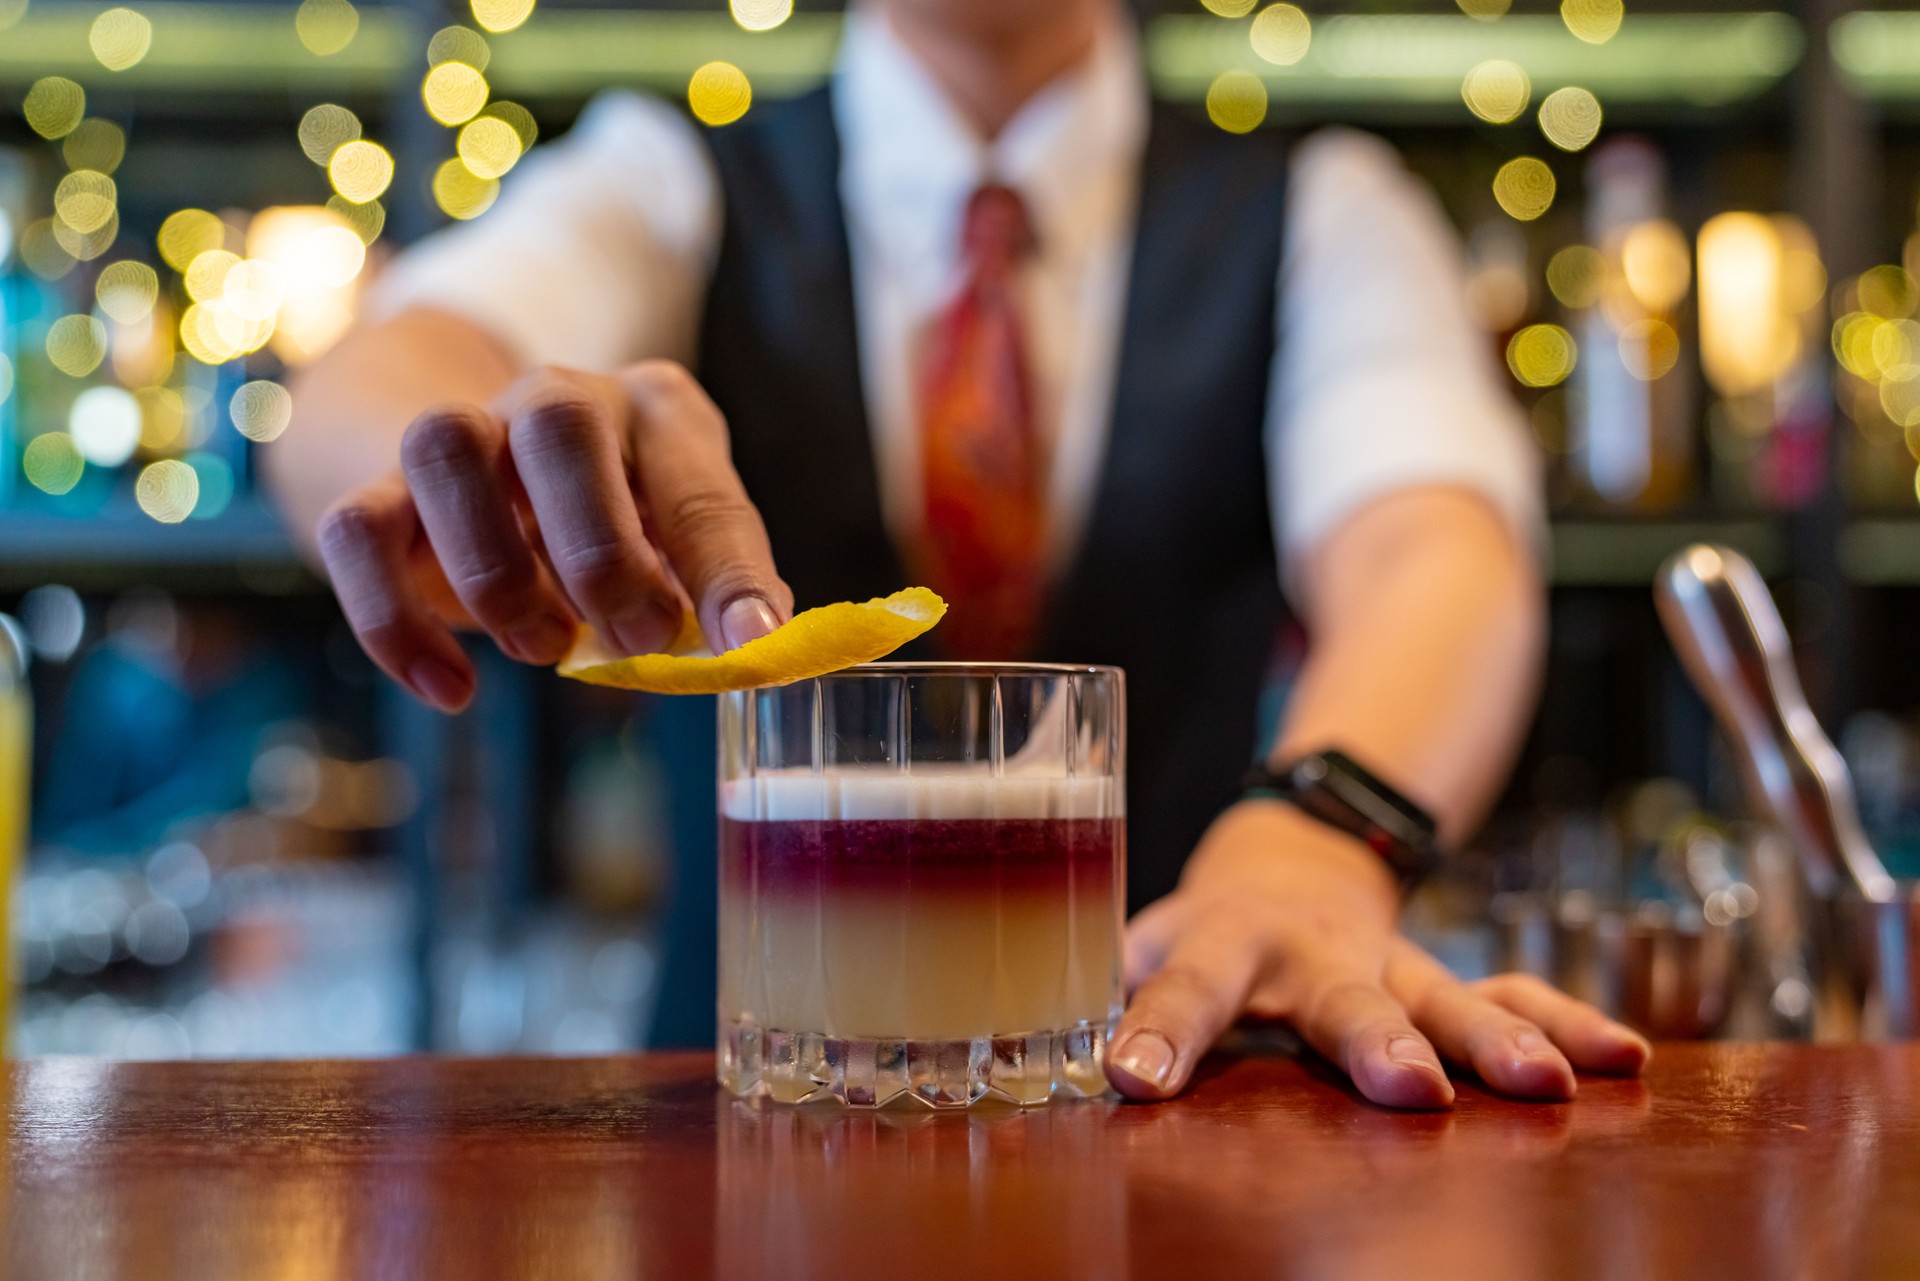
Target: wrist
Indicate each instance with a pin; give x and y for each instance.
(1281, 841)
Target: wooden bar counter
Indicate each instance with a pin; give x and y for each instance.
(1726, 1161)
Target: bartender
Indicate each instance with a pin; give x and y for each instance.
(1118, 384)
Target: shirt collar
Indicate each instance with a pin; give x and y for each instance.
(910, 160)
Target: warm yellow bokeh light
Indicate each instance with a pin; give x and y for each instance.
(54, 106)
(1497, 90)
(718, 93)
(761, 15)
(254, 290)
(325, 129)
(459, 44)
(1281, 33)
(1542, 355)
(86, 201)
(200, 336)
(366, 218)
(1888, 291)
(261, 410)
(167, 490)
(1748, 339)
(76, 345)
(1853, 344)
(326, 27)
(1649, 348)
(127, 290)
(1900, 396)
(163, 419)
(206, 275)
(1524, 187)
(187, 234)
(501, 15)
(1237, 101)
(120, 38)
(41, 250)
(1656, 264)
(1594, 21)
(314, 249)
(1230, 8)
(362, 170)
(99, 145)
(1575, 275)
(1484, 10)
(52, 462)
(489, 146)
(460, 192)
(87, 245)
(454, 93)
(1894, 344)
(1570, 118)
(520, 118)
(243, 333)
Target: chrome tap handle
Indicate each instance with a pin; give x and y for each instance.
(1729, 636)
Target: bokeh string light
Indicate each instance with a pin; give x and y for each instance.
(1485, 10)
(52, 463)
(1575, 275)
(488, 146)
(54, 106)
(362, 170)
(99, 145)
(1281, 34)
(105, 425)
(1649, 348)
(460, 192)
(1497, 91)
(85, 200)
(261, 410)
(454, 93)
(76, 345)
(1594, 21)
(501, 15)
(1237, 101)
(325, 129)
(718, 93)
(325, 27)
(41, 251)
(187, 234)
(1229, 8)
(1570, 118)
(167, 490)
(760, 15)
(459, 44)
(127, 290)
(1524, 187)
(1542, 355)
(367, 218)
(519, 118)
(120, 38)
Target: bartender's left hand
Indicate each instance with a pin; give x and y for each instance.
(1278, 917)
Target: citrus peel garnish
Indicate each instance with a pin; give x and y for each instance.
(813, 643)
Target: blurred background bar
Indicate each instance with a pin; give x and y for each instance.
(1692, 237)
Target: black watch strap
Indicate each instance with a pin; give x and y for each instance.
(1333, 788)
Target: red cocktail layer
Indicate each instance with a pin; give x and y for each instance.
(916, 856)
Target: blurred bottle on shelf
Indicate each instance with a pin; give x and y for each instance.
(1630, 409)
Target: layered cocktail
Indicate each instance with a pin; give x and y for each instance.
(921, 873)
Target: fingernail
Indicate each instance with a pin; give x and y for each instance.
(1146, 1056)
(746, 618)
(539, 640)
(1411, 1052)
(644, 629)
(439, 684)
(1531, 1044)
(1627, 1036)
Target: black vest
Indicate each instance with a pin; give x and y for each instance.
(1175, 579)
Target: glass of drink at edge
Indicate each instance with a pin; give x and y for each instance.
(922, 870)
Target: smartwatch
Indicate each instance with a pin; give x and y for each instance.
(1331, 787)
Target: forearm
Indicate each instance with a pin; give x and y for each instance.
(351, 407)
(1428, 626)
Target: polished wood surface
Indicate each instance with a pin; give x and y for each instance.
(1734, 1161)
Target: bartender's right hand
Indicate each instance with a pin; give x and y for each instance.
(571, 498)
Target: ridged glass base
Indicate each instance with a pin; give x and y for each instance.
(806, 1067)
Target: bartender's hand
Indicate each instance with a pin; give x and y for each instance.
(1279, 917)
(572, 497)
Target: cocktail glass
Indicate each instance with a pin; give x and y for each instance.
(921, 877)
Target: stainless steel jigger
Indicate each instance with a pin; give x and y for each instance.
(1862, 923)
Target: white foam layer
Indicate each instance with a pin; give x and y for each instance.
(801, 795)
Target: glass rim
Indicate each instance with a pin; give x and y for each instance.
(951, 668)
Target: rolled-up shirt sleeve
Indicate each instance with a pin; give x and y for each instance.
(1382, 380)
(596, 253)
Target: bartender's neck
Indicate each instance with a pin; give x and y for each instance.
(992, 56)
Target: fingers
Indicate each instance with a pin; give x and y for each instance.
(457, 469)
(1510, 1053)
(565, 446)
(1177, 1014)
(1349, 1018)
(711, 532)
(1594, 1042)
(365, 541)
(1150, 936)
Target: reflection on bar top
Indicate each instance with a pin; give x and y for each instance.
(934, 791)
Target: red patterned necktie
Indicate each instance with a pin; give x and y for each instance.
(982, 463)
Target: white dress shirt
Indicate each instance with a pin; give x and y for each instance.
(598, 252)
